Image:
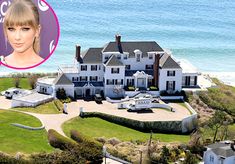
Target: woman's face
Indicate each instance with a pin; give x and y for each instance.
(21, 38)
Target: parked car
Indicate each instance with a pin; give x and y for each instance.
(11, 92)
(98, 98)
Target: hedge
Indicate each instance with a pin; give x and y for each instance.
(58, 141)
(144, 126)
(91, 149)
(58, 105)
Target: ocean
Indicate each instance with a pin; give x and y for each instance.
(202, 31)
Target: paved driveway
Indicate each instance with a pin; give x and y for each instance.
(157, 114)
(5, 103)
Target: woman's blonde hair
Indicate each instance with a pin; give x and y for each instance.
(23, 13)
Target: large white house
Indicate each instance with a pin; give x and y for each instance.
(117, 66)
(220, 153)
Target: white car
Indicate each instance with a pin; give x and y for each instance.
(11, 92)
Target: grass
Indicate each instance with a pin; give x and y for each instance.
(6, 83)
(14, 139)
(96, 127)
(48, 108)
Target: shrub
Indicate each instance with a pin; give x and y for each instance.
(114, 141)
(58, 141)
(91, 149)
(153, 88)
(131, 88)
(4, 158)
(32, 80)
(58, 105)
(61, 94)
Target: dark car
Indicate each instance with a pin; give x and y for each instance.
(98, 98)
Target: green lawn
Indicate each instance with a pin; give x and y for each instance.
(96, 127)
(48, 108)
(14, 139)
(6, 83)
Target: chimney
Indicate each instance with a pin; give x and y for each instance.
(156, 70)
(78, 53)
(118, 41)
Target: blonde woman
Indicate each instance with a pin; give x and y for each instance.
(22, 30)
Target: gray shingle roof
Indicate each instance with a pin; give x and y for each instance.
(92, 55)
(224, 151)
(166, 61)
(113, 61)
(62, 80)
(144, 47)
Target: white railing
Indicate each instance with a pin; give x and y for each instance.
(68, 69)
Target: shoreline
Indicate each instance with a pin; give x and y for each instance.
(226, 77)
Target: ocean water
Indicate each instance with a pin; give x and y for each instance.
(201, 31)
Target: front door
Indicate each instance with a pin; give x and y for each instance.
(88, 92)
(141, 83)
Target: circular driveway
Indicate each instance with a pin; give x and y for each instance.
(5, 103)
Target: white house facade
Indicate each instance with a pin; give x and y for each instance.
(118, 67)
(220, 153)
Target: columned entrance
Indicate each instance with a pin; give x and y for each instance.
(141, 79)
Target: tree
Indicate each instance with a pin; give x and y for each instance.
(32, 79)
(16, 81)
(61, 94)
(217, 121)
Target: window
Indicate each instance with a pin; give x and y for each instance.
(128, 67)
(148, 66)
(170, 73)
(93, 78)
(138, 57)
(110, 81)
(99, 67)
(150, 56)
(119, 57)
(170, 85)
(211, 158)
(115, 70)
(130, 82)
(125, 57)
(83, 78)
(93, 67)
(75, 78)
(83, 67)
(106, 57)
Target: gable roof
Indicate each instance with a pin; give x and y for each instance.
(224, 151)
(92, 55)
(113, 61)
(62, 80)
(166, 61)
(143, 46)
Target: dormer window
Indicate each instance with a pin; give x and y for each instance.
(138, 54)
(125, 56)
(106, 57)
(119, 57)
(138, 57)
(150, 56)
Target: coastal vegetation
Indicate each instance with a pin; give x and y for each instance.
(221, 98)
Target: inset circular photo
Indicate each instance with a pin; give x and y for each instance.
(29, 33)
